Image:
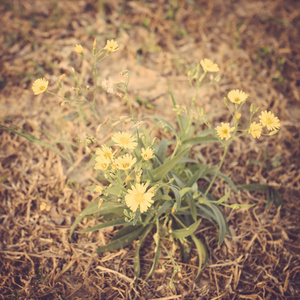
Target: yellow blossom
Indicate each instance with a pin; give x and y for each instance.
(237, 96)
(111, 46)
(125, 162)
(137, 197)
(238, 116)
(98, 189)
(268, 119)
(78, 48)
(39, 86)
(209, 66)
(106, 152)
(224, 130)
(255, 130)
(147, 153)
(124, 140)
(102, 163)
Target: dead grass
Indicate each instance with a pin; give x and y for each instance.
(256, 43)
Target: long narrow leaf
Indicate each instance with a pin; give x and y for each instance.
(136, 260)
(200, 140)
(166, 123)
(116, 222)
(223, 225)
(122, 241)
(253, 187)
(160, 172)
(106, 208)
(202, 253)
(184, 232)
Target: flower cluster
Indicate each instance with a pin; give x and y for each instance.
(123, 169)
(267, 119)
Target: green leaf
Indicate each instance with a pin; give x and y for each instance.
(34, 139)
(224, 198)
(122, 241)
(136, 259)
(202, 253)
(200, 140)
(109, 207)
(166, 123)
(116, 222)
(214, 214)
(253, 187)
(274, 196)
(156, 255)
(223, 225)
(198, 174)
(161, 152)
(213, 170)
(183, 191)
(176, 194)
(184, 232)
(163, 209)
(161, 171)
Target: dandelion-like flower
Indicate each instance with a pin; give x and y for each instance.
(209, 66)
(147, 153)
(224, 130)
(78, 48)
(237, 96)
(111, 46)
(39, 86)
(124, 140)
(268, 119)
(98, 189)
(255, 130)
(137, 197)
(108, 85)
(125, 162)
(106, 152)
(102, 163)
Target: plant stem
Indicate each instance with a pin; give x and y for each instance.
(220, 165)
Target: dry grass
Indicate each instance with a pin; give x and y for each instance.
(256, 43)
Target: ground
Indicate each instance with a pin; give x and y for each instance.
(255, 43)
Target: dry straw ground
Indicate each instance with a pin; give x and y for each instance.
(256, 44)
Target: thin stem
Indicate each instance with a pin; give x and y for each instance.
(220, 165)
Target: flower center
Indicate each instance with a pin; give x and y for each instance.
(42, 87)
(139, 197)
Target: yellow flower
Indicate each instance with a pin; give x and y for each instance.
(39, 86)
(124, 140)
(238, 116)
(102, 163)
(98, 189)
(137, 197)
(147, 153)
(224, 130)
(78, 48)
(255, 129)
(209, 66)
(106, 152)
(237, 96)
(268, 119)
(125, 162)
(111, 46)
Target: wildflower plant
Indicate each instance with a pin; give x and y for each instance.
(151, 187)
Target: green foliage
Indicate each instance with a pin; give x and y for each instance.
(156, 188)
